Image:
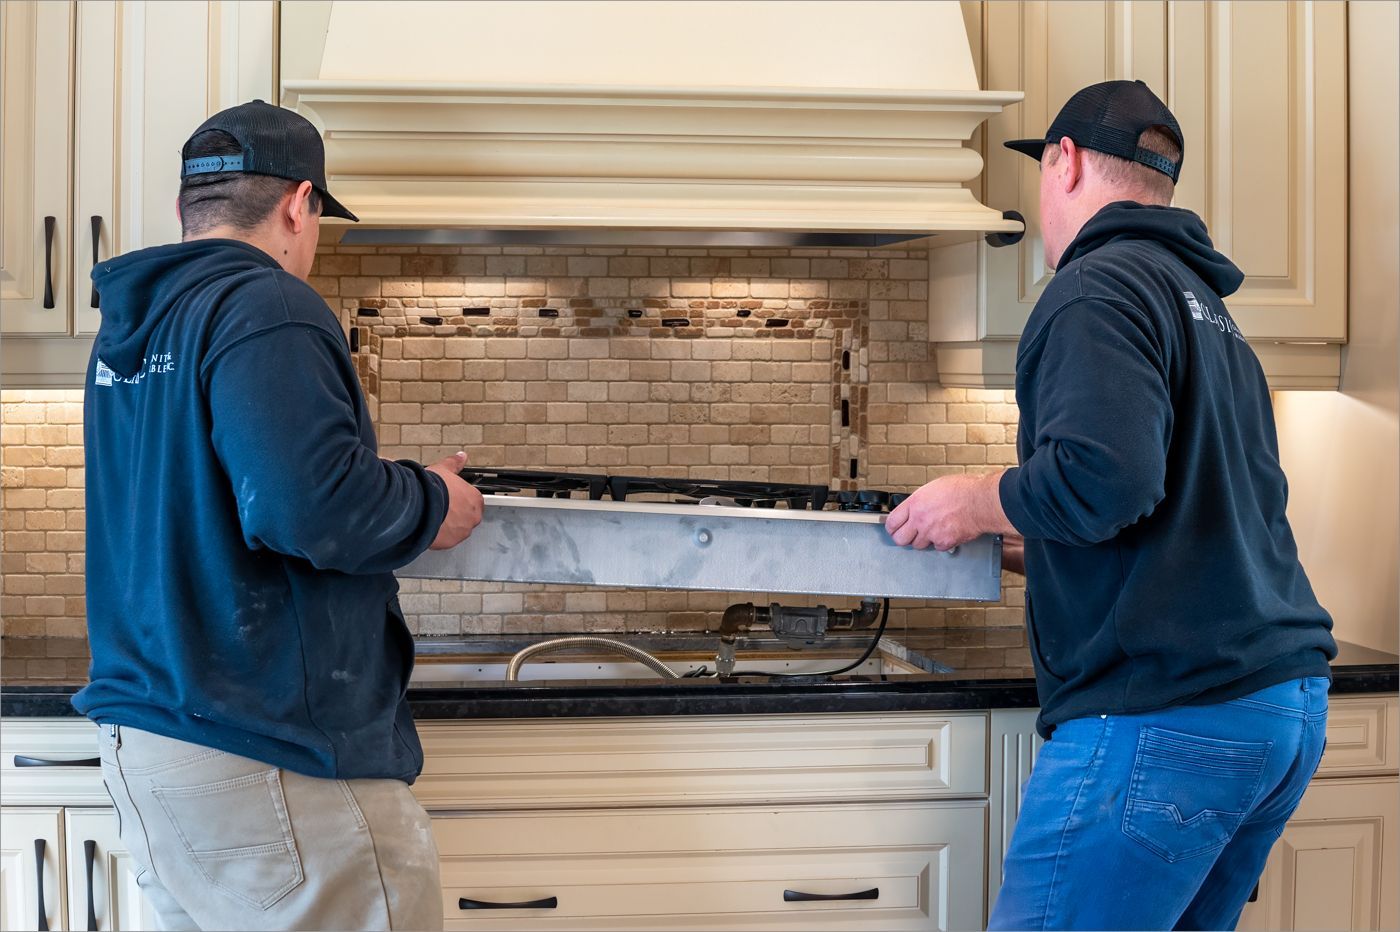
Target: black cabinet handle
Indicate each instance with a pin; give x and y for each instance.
(997, 240)
(39, 884)
(547, 903)
(96, 237)
(22, 761)
(796, 896)
(90, 855)
(1254, 895)
(49, 223)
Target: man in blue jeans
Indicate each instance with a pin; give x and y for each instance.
(1181, 657)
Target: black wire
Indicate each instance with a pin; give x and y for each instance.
(870, 649)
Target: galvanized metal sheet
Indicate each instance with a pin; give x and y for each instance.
(656, 546)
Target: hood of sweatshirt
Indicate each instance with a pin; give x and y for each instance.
(1180, 231)
(139, 289)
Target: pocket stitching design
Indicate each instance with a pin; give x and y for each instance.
(1257, 750)
(268, 778)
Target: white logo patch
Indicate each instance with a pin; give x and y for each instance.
(103, 376)
(1201, 312)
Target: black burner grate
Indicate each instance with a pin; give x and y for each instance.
(545, 484)
(744, 494)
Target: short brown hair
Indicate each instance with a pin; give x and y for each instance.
(1151, 185)
(235, 199)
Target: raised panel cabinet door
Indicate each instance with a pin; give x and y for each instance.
(1335, 865)
(1260, 91)
(184, 60)
(35, 155)
(102, 889)
(97, 150)
(31, 868)
(1049, 50)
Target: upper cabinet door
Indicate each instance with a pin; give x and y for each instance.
(184, 61)
(35, 155)
(1049, 49)
(1260, 90)
(97, 154)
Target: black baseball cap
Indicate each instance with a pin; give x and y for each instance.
(1109, 118)
(275, 141)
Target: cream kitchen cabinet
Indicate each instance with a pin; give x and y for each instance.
(98, 98)
(1334, 867)
(1260, 91)
(89, 881)
(744, 822)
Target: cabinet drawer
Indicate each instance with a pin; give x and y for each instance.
(583, 763)
(61, 739)
(719, 867)
(1361, 736)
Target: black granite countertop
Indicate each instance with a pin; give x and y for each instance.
(1357, 670)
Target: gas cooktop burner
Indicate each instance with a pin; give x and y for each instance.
(870, 500)
(592, 486)
(543, 484)
(743, 494)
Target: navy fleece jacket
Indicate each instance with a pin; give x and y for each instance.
(1160, 566)
(241, 528)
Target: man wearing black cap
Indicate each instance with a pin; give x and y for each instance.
(249, 659)
(1181, 657)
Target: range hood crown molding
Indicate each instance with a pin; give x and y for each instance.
(547, 156)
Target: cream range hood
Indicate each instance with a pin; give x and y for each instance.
(679, 122)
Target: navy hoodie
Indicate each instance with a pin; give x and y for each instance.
(1160, 566)
(241, 528)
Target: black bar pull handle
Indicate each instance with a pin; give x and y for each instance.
(22, 761)
(796, 896)
(41, 904)
(1254, 895)
(96, 237)
(999, 239)
(49, 224)
(551, 902)
(90, 855)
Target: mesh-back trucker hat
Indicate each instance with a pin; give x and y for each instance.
(275, 141)
(1108, 118)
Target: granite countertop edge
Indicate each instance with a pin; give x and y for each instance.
(618, 698)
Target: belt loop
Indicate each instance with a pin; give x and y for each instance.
(115, 731)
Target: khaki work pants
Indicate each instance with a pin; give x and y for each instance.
(224, 842)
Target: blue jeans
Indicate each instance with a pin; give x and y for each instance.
(1162, 820)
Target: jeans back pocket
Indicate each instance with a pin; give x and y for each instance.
(238, 833)
(1189, 794)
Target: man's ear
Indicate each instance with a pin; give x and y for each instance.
(1072, 157)
(299, 207)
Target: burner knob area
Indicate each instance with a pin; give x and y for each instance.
(869, 500)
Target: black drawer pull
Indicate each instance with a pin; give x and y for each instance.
(1254, 895)
(49, 223)
(90, 855)
(547, 903)
(22, 761)
(41, 903)
(96, 236)
(796, 896)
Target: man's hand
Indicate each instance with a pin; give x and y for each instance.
(464, 504)
(949, 511)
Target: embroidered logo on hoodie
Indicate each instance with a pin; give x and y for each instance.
(1200, 312)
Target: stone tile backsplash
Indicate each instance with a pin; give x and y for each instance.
(785, 365)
